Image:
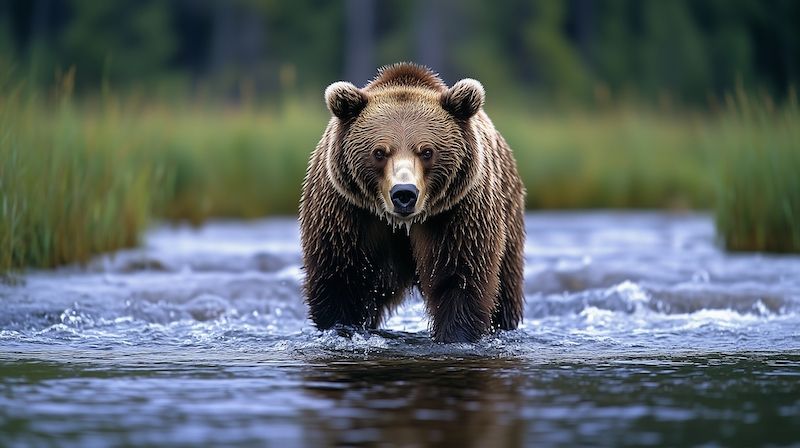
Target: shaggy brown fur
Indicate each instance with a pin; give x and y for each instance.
(463, 244)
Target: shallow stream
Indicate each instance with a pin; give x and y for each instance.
(638, 331)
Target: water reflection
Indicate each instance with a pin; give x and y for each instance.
(739, 400)
(412, 402)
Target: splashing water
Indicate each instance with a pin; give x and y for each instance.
(637, 331)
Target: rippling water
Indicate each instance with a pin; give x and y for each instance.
(637, 331)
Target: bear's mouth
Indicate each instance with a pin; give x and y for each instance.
(403, 212)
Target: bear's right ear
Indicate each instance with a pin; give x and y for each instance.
(345, 100)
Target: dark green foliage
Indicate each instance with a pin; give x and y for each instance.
(118, 41)
(677, 50)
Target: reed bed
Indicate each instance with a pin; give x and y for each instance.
(82, 177)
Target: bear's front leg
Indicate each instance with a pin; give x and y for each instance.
(336, 270)
(353, 272)
(338, 295)
(459, 268)
(461, 309)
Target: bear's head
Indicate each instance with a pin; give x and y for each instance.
(405, 146)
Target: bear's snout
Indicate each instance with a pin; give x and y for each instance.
(404, 198)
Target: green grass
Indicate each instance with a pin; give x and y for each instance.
(758, 190)
(82, 177)
(618, 158)
(77, 180)
(65, 195)
(232, 163)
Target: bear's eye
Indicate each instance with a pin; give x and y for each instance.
(379, 154)
(426, 154)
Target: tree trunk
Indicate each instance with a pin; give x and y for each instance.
(359, 41)
(430, 35)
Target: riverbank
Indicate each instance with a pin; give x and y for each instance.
(83, 177)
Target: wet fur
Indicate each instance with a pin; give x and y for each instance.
(465, 254)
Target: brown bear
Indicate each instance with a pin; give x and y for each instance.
(411, 185)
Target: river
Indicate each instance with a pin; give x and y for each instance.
(638, 330)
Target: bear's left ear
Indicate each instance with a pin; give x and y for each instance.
(345, 100)
(464, 99)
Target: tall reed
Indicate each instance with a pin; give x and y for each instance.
(758, 188)
(82, 177)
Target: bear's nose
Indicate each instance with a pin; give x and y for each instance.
(404, 197)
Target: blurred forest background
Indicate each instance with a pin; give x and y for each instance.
(116, 113)
(571, 50)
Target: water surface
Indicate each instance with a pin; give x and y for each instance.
(638, 331)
